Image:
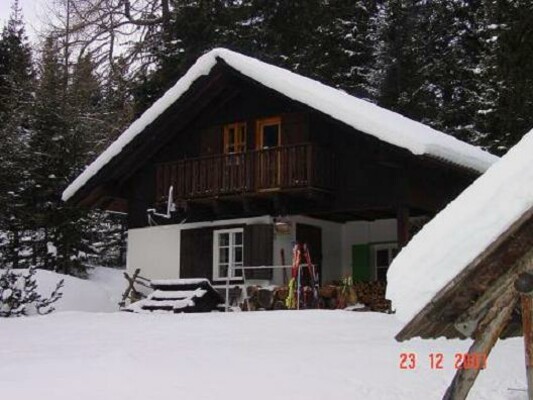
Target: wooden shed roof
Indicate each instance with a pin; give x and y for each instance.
(448, 277)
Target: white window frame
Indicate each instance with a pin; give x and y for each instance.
(382, 246)
(232, 246)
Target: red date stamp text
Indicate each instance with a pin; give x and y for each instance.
(410, 361)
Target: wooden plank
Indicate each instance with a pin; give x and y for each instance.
(527, 329)
(487, 334)
(467, 322)
(524, 285)
(280, 168)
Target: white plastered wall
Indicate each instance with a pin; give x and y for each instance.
(363, 232)
(337, 242)
(156, 249)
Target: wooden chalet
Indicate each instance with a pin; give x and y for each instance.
(258, 157)
(477, 284)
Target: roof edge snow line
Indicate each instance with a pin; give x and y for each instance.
(362, 115)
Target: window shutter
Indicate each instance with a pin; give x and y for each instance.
(196, 253)
(258, 250)
(361, 262)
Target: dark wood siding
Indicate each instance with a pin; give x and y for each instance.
(196, 253)
(294, 128)
(141, 194)
(369, 179)
(211, 140)
(258, 249)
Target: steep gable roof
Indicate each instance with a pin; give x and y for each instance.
(463, 251)
(362, 115)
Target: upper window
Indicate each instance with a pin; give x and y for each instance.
(383, 256)
(268, 133)
(227, 253)
(235, 138)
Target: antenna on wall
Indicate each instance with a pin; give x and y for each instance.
(171, 207)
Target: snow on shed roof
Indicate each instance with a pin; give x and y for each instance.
(462, 231)
(383, 124)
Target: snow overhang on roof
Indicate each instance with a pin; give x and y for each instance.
(362, 115)
(483, 231)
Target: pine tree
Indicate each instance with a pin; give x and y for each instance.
(345, 44)
(70, 124)
(507, 40)
(19, 294)
(16, 101)
(400, 76)
(56, 147)
(432, 58)
(117, 107)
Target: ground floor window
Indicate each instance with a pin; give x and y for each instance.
(227, 253)
(383, 256)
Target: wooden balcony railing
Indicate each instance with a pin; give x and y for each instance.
(284, 167)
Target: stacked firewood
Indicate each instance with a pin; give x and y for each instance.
(333, 296)
(270, 298)
(372, 294)
(345, 294)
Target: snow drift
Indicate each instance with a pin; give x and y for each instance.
(100, 293)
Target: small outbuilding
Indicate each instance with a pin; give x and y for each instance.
(466, 274)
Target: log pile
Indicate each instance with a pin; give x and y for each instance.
(270, 298)
(332, 296)
(372, 295)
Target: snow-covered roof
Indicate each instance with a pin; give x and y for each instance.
(462, 231)
(362, 115)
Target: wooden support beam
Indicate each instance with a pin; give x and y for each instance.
(486, 335)
(402, 221)
(196, 210)
(527, 329)
(524, 285)
(467, 323)
(251, 206)
(224, 208)
(280, 204)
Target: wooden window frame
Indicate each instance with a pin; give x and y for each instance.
(241, 144)
(231, 245)
(390, 247)
(260, 124)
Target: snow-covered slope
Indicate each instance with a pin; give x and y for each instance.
(464, 229)
(100, 293)
(383, 124)
(286, 355)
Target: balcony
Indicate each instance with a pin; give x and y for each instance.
(284, 168)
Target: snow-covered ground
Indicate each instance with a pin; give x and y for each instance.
(262, 355)
(100, 293)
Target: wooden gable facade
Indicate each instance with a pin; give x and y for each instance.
(232, 148)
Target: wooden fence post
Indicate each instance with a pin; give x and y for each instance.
(524, 285)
